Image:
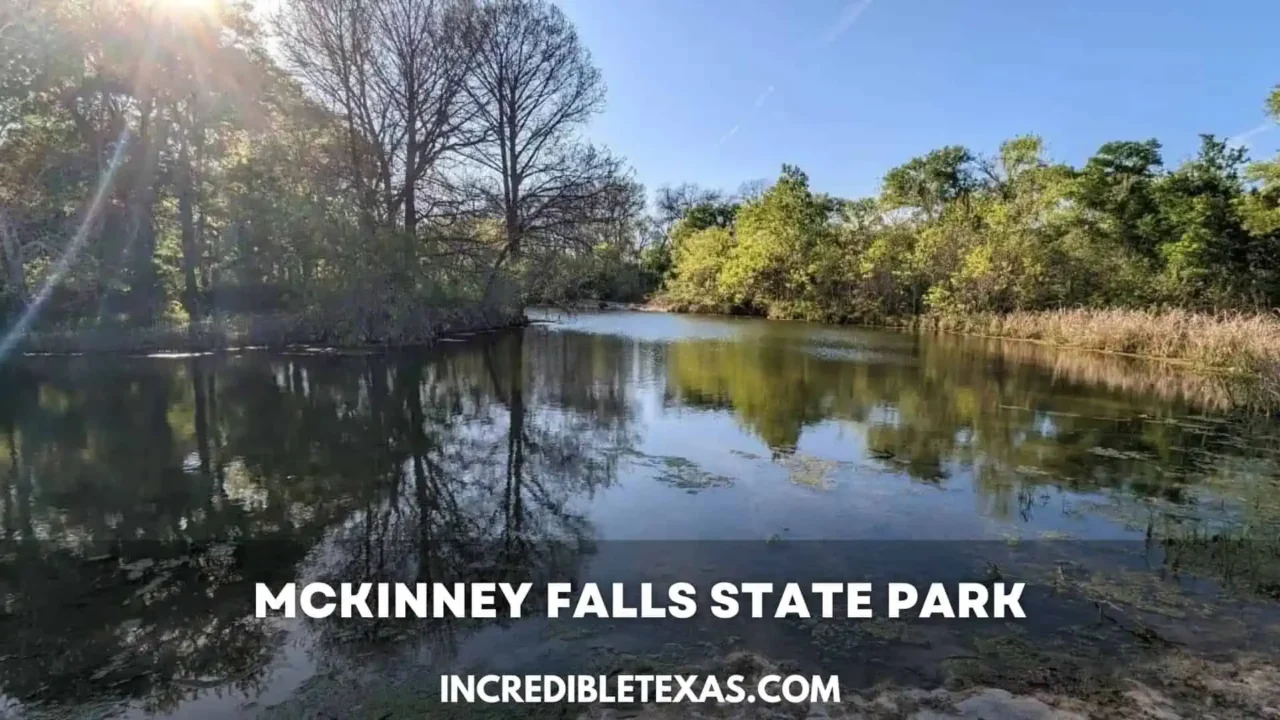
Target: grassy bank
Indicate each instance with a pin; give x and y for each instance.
(1172, 382)
(348, 329)
(1234, 343)
(1243, 343)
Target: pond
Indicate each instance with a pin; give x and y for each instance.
(142, 498)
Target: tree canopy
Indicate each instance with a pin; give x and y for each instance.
(954, 231)
(159, 163)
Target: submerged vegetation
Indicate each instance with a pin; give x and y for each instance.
(141, 499)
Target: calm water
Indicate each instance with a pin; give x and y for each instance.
(141, 498)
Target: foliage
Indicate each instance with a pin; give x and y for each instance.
(774, 264)
(1261, 207)
(699, 259)
(955, 233)
(158, 165)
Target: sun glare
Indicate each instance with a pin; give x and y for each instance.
(185, 7)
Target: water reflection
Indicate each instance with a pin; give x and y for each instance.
(949, 406)
(142, 499)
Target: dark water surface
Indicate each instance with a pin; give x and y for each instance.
(142, 498)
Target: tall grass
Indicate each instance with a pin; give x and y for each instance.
(1170, 382)
(1235, 342)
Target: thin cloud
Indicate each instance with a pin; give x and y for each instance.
(761, 99)
(1246, 138)
(847, 18)
(732, 131)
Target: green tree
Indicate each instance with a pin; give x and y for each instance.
(1116, 193)
(1014, 260)
(932, 182)
(1211, 259)
(695, 275)
(690, 214)
(1261, 209)
(772, 265)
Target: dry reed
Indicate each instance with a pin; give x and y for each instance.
(1235, 342)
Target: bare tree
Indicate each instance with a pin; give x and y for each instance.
(671, 203)
(534, 86)
(752, 189)
(328, 44)
(622, 220)
(428, 43)
(395, 71)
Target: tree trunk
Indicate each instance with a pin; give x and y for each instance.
(11, 258)
(409, 189)
(142, 236)
(514, 231)
(514, 501)
(202, 218)
(186, 217)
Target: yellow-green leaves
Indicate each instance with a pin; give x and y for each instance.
(955, 233)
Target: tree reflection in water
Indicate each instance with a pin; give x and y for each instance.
(949, 405)
(143, 499)
(483, 486)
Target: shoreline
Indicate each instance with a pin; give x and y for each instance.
(293, 332)
(1254, 384)
(959, 326)
(274, 333)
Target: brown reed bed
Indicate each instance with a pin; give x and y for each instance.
(1232, 342)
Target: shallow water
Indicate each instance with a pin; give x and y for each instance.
(142, 498)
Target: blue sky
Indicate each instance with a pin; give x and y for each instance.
(846, 89)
